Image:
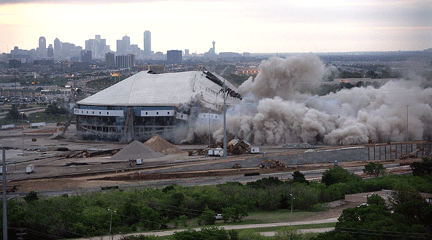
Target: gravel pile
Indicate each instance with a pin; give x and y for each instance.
(297, 145)
(136, 150)
(158, 144)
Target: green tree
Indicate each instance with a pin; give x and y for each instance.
(375, 199)
(338, 175)
(299, 177)
(408, 202)
(14, 114)
(208, 216)
(31, 197)
(53, 109)
(422, 168)
(375, 169)
(183, 220)
(210, 233)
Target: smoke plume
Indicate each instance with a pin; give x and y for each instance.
(277, 109)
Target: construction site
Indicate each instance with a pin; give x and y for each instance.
(65, 164)
(153, 130)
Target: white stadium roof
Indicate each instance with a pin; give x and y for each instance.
(166, 89)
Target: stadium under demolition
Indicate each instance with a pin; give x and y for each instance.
(147, 104)
(276, 107)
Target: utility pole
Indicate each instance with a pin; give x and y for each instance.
(4, 195)
(224, 112)
(407, 123)
(292, 201)
(209, 130)
(22, 114)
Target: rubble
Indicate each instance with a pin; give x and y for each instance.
(271, 164)
(158, 144)
(136, 150)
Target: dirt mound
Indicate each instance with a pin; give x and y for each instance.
(158, 144)
(136, 150)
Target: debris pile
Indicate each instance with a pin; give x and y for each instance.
(271, 164)
(236, 166)
(297, 145)
(93, 153)
(158, 144)
(235, 147)
(136, 150)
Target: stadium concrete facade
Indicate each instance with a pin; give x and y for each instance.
(146, 104)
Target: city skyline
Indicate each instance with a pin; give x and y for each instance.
(237, 26)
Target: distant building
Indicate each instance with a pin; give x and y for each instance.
(44, 62)
(152, 68)
(69, 50)
(14, 63)
(250, 71)
(57, 47)
(212, 52)
(125, 61)
(50, 52)
(147, 43)
(42, 43)
(86, 56)
(123, 45)
(110, 59)
(174, 56)
(97, 46)
(41, 51)
(225, 55)
(186, 52)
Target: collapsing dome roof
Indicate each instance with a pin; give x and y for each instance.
(167, 89)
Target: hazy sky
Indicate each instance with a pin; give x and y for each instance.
(235, 25)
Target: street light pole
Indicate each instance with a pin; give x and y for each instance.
(224, 112)
(292, 201)
(407, 123)
(22, 122)
(111, 223)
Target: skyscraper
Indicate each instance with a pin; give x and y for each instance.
(50, 52)
(42, 43)
(86, 56)
(57, 47)
(174, 56)
(147, 43)
(123, 45)
(97, 46)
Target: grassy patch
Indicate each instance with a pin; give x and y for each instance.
(283, 215)
(297, 227)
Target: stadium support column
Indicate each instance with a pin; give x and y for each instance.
(129, 126)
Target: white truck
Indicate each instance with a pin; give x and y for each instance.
(29, 168)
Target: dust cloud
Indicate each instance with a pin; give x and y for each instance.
(277, 108)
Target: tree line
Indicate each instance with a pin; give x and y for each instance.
(86, 214)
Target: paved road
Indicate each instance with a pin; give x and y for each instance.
(229, 227)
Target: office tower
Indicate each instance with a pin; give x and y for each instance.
(86, 56)
(110, 60)
(186, 52)
(147, 43)
(174, 56)
(57, 47)
(123, 45)
(42, 43)
(50, 53)
(125, 61)
(97, 46)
